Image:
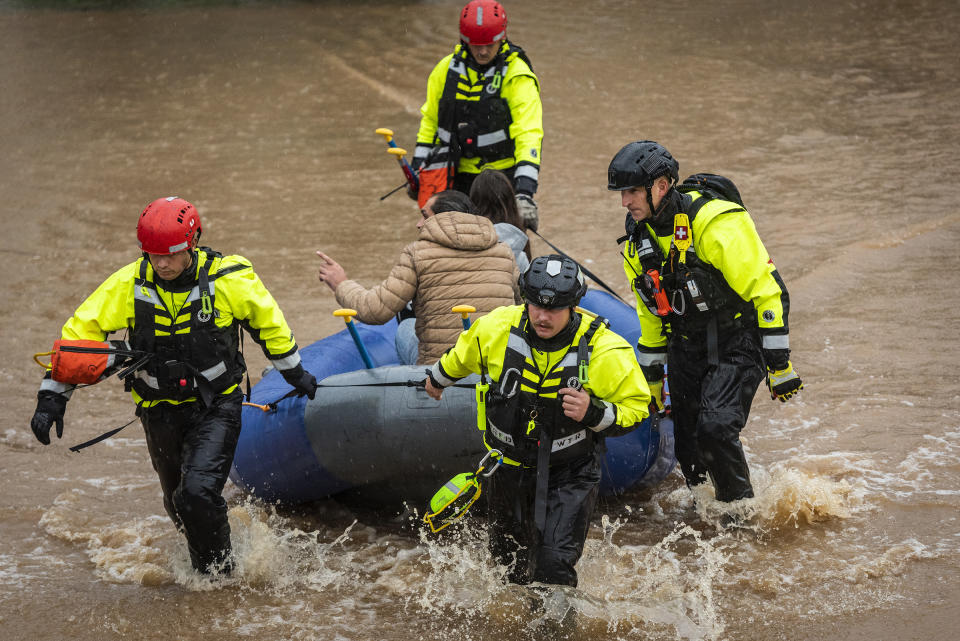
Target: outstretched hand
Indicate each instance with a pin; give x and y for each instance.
(330, 271)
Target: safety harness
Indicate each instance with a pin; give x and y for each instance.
(524, 413)
(686, 292)
(193, 356)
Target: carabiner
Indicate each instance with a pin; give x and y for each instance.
(483, 462)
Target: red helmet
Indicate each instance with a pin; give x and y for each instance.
(168, 225)
(483, 22)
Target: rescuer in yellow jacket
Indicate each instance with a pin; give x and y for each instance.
(183, 307)
(562, 381)
(711, 305)
(482, 111)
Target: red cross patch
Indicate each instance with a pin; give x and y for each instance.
(680, 232)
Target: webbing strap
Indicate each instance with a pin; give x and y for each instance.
(102, 437)
(586, 271)
(543, 482)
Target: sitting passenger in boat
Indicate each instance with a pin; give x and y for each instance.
(495, 199)
(456, 259)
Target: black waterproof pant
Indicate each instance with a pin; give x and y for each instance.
(514, 540)
(191, 447)
(711, 403)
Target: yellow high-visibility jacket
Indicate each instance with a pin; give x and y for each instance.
(518, 86)
(614, 378)
(239, 299)
(725, 238)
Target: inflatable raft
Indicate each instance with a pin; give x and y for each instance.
(372, 433)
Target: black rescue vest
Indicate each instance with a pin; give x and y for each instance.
(474, 119)
(518, 414)
(696, 290)
(192, 355)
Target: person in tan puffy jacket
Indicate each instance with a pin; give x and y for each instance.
(456, 260)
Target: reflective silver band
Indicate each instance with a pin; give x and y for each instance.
(609, 416)
(437, 372)
(647, 359)
(500, 435)
(526, 171)
(485, 140)
(517, 344)
(443, 135)
(568, 441)
(776, 341)
(50, 385)
(143, 293)
(288, 362)
(569, 359)
(173, 249)
(213, 372)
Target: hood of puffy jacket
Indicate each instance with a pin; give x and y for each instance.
(460, 231)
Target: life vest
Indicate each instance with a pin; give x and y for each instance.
(524, 405)
(473, 120)
(193, 357)
(696, 290)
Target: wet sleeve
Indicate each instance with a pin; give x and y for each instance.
(731, 243)
(463, 358)
(255, 308)
(522, 94)
(381, 303)
(108, 309)
(617, 382)
(429, 112)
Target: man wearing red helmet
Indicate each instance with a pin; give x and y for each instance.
(183, 305)
(482, 111)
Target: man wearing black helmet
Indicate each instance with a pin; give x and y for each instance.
(711, 304)
(561, 381)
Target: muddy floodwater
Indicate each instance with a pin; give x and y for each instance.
(837, 120)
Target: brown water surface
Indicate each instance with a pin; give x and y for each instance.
(837, 120)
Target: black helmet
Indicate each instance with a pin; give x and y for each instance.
(553, 282)
(639, 164)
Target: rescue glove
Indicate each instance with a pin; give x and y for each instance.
(654, 374)
(656, 395)
(784, 384)
(50, 409)
(301, 380)
(528, 211)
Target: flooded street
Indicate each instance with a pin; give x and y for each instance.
(839, 123)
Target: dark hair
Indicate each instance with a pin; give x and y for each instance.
(494, 198)
(453, 200)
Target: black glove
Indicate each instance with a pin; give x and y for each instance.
(303, 381)
(50, 409)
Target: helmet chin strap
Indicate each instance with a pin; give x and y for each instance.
(655, 214)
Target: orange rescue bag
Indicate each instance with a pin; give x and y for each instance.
(80, 368)
(432, 181)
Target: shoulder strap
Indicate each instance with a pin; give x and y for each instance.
(584, 349)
